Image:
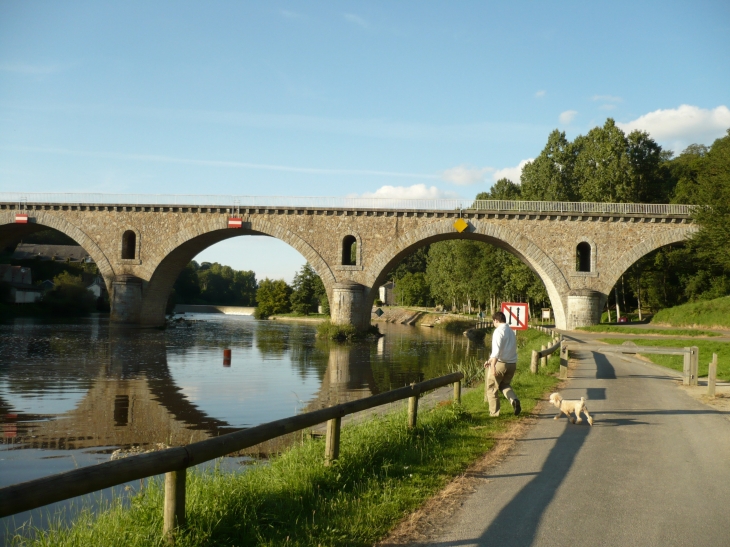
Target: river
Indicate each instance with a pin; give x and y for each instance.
(73, 392)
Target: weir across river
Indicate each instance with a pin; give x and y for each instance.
(141, 242)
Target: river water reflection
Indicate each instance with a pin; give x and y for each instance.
(71, 393)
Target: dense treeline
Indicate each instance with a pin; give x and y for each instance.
(606, 165)
(213, 283)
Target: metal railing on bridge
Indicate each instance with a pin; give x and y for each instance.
(317, 202)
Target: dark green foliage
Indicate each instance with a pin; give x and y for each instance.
(345, 333)
(70, 296)
(503, 189)
(308, 292)
(478, 274)
(273, 296)
(413, 290)
(215, 284)
(414, 262)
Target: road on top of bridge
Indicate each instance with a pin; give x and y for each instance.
(654, 470)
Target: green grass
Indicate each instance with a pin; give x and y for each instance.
(385, 471)
(636, 330)
(707, 313)
(345, 333)
(676, 362)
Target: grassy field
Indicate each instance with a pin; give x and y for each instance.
(637, 330)
(706, 347)
(709, 313)
(385, 471)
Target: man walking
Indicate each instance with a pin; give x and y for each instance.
(501, 365)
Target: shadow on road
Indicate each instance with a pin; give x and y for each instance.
(516, 524)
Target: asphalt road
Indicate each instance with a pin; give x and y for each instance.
(654, 470)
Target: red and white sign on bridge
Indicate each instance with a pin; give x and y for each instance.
(516, 314)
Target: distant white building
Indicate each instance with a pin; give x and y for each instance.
(22, 290)
(386, 293)
(97, 288)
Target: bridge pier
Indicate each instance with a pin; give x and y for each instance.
(126, 300)
(584, 308)
(348, 305)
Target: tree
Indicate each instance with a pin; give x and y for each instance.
(273, 297)
(307, 291)
(69, 296)
(503, 189)
(413, 290)
(550, 176)
(712, 242)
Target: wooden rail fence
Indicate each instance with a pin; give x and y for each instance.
(174, 462)
(691, 355)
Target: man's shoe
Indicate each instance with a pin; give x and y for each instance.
(517, 407)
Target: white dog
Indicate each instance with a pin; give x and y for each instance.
(566, 407)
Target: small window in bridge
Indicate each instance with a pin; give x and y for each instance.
(349, 251)
(129, 245)
(583, 257)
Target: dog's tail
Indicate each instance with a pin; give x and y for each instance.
(582, 399)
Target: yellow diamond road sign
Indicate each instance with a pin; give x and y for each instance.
(461, 225)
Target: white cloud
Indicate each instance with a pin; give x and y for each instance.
(607, 98)
(356, 19)
(680, 127)
(607, 106)
(416, 191)
(511, 173)
(567, 116)
(462, 175)
(540, 94)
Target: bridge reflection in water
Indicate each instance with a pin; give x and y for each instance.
(89, 387)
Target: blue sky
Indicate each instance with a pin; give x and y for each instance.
(419, 99)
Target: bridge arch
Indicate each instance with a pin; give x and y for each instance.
(10, 232)
(610, 276)
(555, 283)
(188, 243)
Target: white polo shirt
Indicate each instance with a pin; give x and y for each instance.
(504, 344)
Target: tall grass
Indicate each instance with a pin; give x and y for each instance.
(385, 471)
(706, 313)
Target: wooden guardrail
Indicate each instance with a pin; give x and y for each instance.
(691, 355)
(546, 350)
(174, 462)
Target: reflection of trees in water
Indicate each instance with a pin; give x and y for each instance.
(272, 339)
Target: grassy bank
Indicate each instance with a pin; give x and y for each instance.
(384, 472)
(708, 313)
(676, 362)
(637, 330)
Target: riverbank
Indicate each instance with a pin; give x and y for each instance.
(385, 471)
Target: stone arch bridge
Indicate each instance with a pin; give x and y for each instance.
(141, 243)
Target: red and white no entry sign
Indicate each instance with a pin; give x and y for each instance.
(21, 219)
(516, 314)
(235, 222)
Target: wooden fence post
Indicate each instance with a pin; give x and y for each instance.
(712, 376)
(695, 365)
(564, 356)
(412, 411)
(533, 361)
(544, 358)
(174, 510)
(457, 392)
(332, 441)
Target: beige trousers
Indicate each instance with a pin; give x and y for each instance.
(500, 381)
